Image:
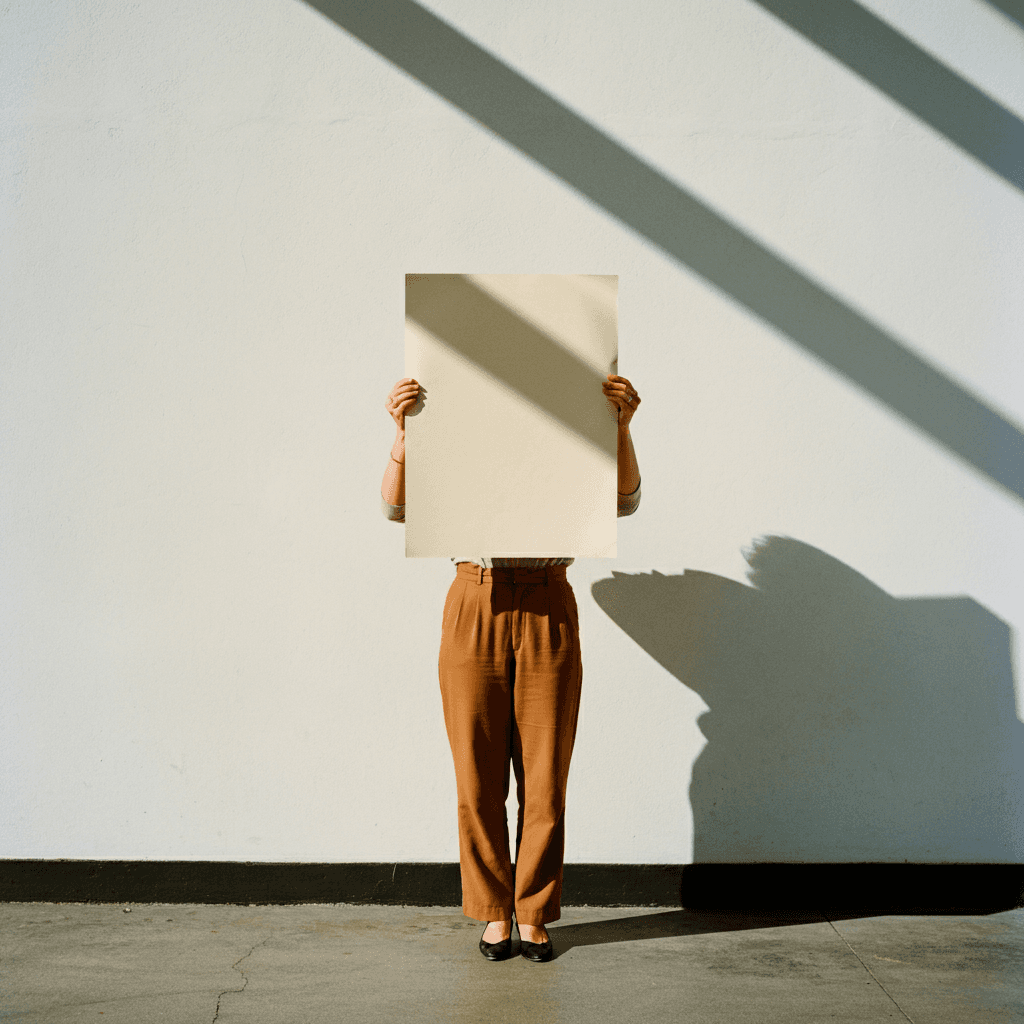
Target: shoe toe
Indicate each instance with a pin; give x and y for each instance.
(539, 952)
(496, 950)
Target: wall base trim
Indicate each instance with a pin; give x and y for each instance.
(867, 887)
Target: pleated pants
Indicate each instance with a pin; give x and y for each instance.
(511, 671)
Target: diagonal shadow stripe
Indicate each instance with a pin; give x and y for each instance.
(467, 76)
(917, 81)
(1011, 8)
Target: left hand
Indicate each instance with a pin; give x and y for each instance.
(622, 398)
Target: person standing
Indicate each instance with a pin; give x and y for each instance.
(511, 670)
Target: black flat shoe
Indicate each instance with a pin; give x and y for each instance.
(538, 952)
(496, 950)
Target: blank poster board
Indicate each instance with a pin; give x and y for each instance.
(512, 450)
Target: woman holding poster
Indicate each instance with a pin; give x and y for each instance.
(510, 669)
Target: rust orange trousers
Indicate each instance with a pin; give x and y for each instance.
(511, 672)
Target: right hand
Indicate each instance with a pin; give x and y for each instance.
(404, 395)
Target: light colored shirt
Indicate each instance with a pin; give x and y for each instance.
(628, 504)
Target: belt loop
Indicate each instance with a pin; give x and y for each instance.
(480, 575)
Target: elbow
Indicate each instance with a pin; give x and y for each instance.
(393, 513)
(629, 503)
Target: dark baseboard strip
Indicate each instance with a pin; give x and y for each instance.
(815, 888)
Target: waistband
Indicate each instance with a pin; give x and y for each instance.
(478, 574)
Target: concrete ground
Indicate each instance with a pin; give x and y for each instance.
(192, 964)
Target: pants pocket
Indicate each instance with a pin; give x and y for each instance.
(452, 603)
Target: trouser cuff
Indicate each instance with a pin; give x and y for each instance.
(535, 918)
(480, 912)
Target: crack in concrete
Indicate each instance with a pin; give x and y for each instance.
(868, 969)
(216, 1012)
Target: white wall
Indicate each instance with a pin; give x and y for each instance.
(212, 645)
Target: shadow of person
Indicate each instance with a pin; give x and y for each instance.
(844, 724)
(672, 922)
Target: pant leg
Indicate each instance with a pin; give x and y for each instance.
(476, 693)
(546, 699)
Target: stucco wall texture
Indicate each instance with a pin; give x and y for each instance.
(211, 643)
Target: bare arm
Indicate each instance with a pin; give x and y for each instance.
(629, 472)
(392, 489)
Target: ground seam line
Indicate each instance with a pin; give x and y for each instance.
(868, 969)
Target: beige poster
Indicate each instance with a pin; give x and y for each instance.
(512, 450)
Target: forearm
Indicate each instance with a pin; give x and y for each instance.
(392, 490)
(629, 472)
